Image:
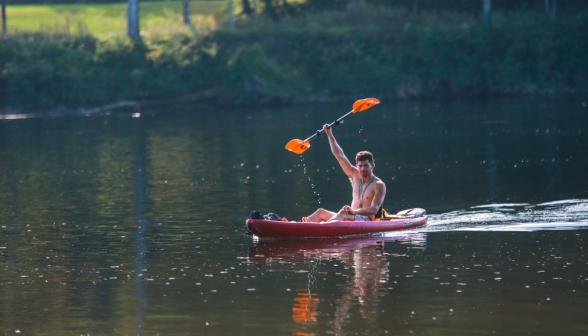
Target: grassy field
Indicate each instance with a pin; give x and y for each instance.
(103, 20)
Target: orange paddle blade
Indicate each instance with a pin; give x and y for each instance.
(297, 146)
(364, 104)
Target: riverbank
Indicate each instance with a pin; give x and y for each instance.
(279, 64)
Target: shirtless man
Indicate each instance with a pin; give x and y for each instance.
(368, 190)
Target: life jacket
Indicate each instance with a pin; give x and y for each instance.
(381, 214)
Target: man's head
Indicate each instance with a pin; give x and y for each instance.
(364, 161)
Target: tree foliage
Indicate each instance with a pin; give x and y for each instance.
(521, 54)
(277, 9)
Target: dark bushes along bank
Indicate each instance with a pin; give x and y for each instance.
(532, 54)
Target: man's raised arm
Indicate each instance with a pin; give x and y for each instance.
(348, 168)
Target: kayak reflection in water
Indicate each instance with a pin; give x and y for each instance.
(362, 279)
(368, 190)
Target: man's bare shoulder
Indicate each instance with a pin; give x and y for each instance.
(380, 184)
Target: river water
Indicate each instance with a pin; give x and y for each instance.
(132, 222)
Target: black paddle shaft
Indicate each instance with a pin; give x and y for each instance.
(336, 122)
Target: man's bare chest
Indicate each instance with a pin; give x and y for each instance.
(365, 192)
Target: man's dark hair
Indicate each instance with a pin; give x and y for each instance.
(363, 156)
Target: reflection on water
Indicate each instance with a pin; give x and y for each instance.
(364, 255)
(371, 270)
(480, 281)
(304, 311)
(140, 242)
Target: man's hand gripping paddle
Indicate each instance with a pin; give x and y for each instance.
(299, 146)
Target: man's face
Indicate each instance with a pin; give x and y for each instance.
(364, 167)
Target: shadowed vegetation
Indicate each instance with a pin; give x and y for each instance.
(322, 56)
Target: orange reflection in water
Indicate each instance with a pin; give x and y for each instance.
(364, 255)
(304, 311)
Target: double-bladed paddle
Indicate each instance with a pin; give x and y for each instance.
(299, 146)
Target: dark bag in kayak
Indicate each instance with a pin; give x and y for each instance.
(256, 214)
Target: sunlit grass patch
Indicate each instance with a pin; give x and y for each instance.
(157, 18)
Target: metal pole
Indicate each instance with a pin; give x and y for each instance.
(133, 18)
(187, 12)
(336, 122)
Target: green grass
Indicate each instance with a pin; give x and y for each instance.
(103, 20)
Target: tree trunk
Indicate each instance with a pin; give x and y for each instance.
(232, 14)
(246, 7)
(547, 7)
(3, 18)
(486, 7)
(553, 7)
(187, 12)
(255, 7)
(133, 18)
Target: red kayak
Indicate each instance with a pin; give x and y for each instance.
(270, 228)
